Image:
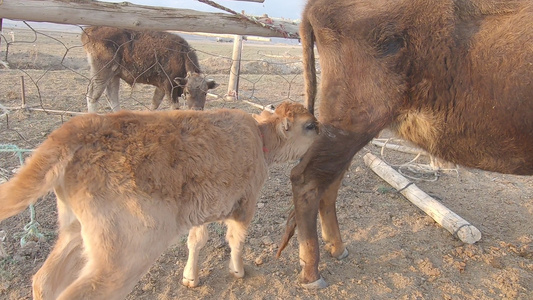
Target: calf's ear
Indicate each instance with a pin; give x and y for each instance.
(182, 82)
(286, 124)
(283, 126)
(211, 84)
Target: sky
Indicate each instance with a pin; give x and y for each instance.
(289, 9)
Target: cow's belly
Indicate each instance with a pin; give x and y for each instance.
(490, 144)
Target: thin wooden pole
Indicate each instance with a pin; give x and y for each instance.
(1, 21)
(233, 84)
(22, 92)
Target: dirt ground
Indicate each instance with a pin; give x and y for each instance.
(396, 250)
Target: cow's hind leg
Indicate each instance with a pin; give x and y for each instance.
(65, 261)
(328, 219)
(197, 239)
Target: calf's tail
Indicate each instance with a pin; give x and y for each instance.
(307, 39)
(36, 178)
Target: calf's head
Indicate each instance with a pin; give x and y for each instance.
(195, 87)
(287, 132)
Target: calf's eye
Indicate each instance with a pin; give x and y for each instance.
(310, 126)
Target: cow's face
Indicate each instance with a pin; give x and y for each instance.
(195, 87)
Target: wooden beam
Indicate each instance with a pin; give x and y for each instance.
(127, 15)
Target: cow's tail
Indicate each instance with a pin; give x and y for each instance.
(37, 177)
(307, 38)
(289, 232)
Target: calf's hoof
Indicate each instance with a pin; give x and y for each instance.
(237, 274)
(316, 285)
(234, 272)
(191, 283)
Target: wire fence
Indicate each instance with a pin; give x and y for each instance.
(56, 71)
(45, 76)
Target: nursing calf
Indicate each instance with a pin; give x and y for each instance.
(453, 77)
(129, 183)
(162, 59)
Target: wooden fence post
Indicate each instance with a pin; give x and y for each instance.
(22, 92)
(233, 84)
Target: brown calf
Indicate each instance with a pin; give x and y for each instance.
(453, 77)
(162, 59)
(129, 183)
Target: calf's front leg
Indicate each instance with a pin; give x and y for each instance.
(197, 239)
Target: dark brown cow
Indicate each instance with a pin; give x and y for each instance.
(453, 76)
(162, 59)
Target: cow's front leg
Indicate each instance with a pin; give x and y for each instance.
(315, 181)
(306, 209)
(159, 93)
(112, 93)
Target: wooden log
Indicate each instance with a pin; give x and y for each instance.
(127, 15)
(441, 214)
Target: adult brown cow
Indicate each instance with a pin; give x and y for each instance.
(454, 77)
(162, 59)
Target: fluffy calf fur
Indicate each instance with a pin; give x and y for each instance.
(129, 183)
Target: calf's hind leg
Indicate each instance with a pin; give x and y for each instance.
(64, 262)
(120, 248)
(237, 227)
(235, 236)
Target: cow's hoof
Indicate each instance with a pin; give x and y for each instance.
(343, 255)
(317, 285)
(191, 283)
